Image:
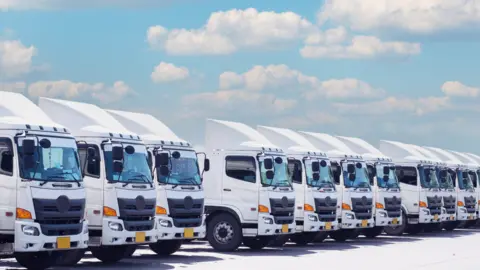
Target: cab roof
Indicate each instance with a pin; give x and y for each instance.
(446, 157)
(333, 146)
(404, 152)
(362, 147)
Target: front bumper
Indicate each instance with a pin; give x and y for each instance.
(30, 243)
(167, 231)
(311, 223)
(463, 215)
(267, 226)
(382, 219)
(425, 217)
(445, 217)
(350, 222)
(112, 237)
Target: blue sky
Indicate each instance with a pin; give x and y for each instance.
(377, 69)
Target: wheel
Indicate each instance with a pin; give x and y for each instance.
(130, 250)
(69, 257)
(109, 254)
(320, 237)
(257, 243)
(432, 227)
(224, 232)
(166, 248)
(304, 238)
(355, 234)
(414, 229)
(36, 260)
(279, 241)
(450, 226)
(342, 235)
(397, 230)
(373, 232)
(470, 224)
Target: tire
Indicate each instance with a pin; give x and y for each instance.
(342, 235)
(320, 237)
(397, 230)
(470, 224)
(257, 243)
(36, 260)
(109, 254)
(130, 250)
(432, 227)
(70, 257)
(373, 232)
(303, 239)
(224, 232)
(279, 241)
(355, 234)
(450, 226)
(166, 248)
(414, 229)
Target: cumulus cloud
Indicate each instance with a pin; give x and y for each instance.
(457, 89)
(420, 16)
(227, 31)
(166, 72)
(15, 58)
(13, 87)
(71, 90)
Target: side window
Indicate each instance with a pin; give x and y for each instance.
(370, 174)
(336, 171)
(241, 167)
(92, 168)
(473, 176)
(150, 160)
(6, 157)
(295, 177)
(407, 175)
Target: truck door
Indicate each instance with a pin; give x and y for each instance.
(8, 185)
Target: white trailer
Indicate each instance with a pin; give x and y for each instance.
(42, 206)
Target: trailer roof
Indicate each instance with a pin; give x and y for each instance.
(363, 148)
(333, 146)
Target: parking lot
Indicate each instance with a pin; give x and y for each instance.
(442, 250)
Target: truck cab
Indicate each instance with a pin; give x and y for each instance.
(43, 196)
(249, 196)
(178, 180)
(383, 179)
(420, 191)
(121, 197)
(315, 193)
(355, 195)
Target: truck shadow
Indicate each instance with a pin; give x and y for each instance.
(445, 234)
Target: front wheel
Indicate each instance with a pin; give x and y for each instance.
(257, 243)
(414, 229)
(130, 250)
(166, 248)
(303, 239)
(397, 230)
(450, 226)
(224, 233)
(320, 237)
(342, 235)
(69, 257)
(373, 232)
(279, 241)
(109, 254)
(36, 260)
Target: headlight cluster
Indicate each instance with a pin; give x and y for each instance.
(165, 223)
(30, 230)
(114, 226)
(267, 220)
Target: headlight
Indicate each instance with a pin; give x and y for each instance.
(426, 211)
(267, 220)
(349, 216)
(463, 210)
(114, 226)
(383, 214)
(165, 223)
(30, 230)
(444, 211)
(312, 218)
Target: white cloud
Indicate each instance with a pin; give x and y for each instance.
(457, 89)
(166, 72)
(331, 36)
(411, 15)
(70, 90)
(345, 88)
(15, 58)
(66, 4)
(227, 31)
(13, 87)
(360, 47)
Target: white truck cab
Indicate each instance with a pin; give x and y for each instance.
(42, 202)
(421, 195)
(383, 179)
(312, 178)
(355, 196)
(178, 180)
(249, 197)
(121, 198)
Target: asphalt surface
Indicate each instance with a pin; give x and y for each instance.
(439, 251)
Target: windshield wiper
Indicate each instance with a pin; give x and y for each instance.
(192, 181)
(360, 185)
(139, 176)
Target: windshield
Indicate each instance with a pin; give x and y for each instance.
(428, 177)
(392, 181)
(135, 166)
(325, 173)
(183, 170)
(361, 175)
(59, 162)
(281, 177)
(447, 181)
(464, 181)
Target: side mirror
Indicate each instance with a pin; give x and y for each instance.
(350, 168)
(28, 161)
(386, 170)
(323, 163)
(464, 174)
(161, 159)
(176, 155)
(316, 176)
(268, 164)
(117, 153)
(206, 165)
(28, 147)
(91, 152)
(316, 166)
(164, 171)
(358, 165)
(117, 166)
(443, 174)
(278, 160)
(270, 175)
(386, 178)
(130, 149)
(45, 143)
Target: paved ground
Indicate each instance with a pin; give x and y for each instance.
(437, 251)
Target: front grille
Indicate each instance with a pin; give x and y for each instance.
(137, 214)
(186, 212)
(470, 204)
(362, 207)
(449, 203)
(61, 216)
(393, 206)
(435, 205)
(326, 208)
(282, 210)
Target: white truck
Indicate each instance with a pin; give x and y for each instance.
(315, 194)
(249, 197)
(42, 206)
(421, 195)
(121, 198)
(383, 179)
(355, 196)
(178, 180)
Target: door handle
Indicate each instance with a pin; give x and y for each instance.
(227, 189)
